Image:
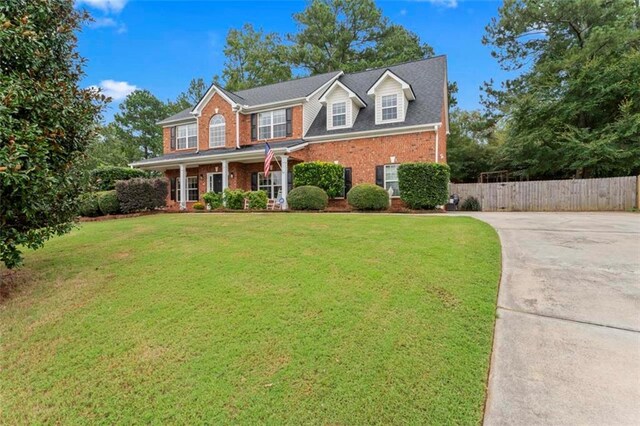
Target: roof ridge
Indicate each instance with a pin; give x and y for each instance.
(385, 67)
(284, 81)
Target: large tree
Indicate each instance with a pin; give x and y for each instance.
(190, 97)
(46, 122)
(136, 125)
(575, 108)
(107, 149)
(350, 35)
(253, 58)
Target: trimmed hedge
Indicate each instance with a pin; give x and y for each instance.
(308, 198)
(108, 202)
(471, 204)
(368, 197)
(326, 176)
(257, 200)
(213, 200)
(234, 199)
(424, 185)
(104, 178)
(88, 205)
(140, 194)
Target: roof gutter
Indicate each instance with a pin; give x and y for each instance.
(372, 133)
(255, 154)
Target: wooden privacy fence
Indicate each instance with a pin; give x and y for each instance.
(619, 193)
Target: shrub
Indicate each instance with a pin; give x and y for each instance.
(198, 205)
(234, 198)
(104, 178)
(424, 185)
(213, 200)
(141, 194)
(368, 197)
(471, 204)
(108, 202)
(326, 176)
(308, 198)
(257, 200)
(89, 205)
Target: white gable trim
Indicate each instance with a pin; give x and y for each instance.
(325, 85)
(406, 87)
(352, 95)
(207, 97)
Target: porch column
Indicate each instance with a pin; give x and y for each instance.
(183, 187)
(284, 167)
(225, 178)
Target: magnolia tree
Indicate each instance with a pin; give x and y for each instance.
(46, 122)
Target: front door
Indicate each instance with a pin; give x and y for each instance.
(214, 182)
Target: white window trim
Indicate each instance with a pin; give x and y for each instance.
(385, 179)
(209, 180)
(397, 107)
(224, 129)
(186, 137)
(187, 191)
(272, 124)
(346, 115)
(275, 187)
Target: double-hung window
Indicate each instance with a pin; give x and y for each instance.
(192, 189)
(339, 114)
(272, 124)
(391, 179)
(271, 184)
(187, 136)
(216, 131)
(389, 104)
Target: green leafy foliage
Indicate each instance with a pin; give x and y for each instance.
(106, 149)
(257, 200)
(108, 202)
(307, 198)
(139, 194)
(89, 206)
(367, 196)
(328, 176)
(471, 204)
(198, 205)
(424, 185)
(213, 200)
(104, 178)
(46, 123)
(234, 198)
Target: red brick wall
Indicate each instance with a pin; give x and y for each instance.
(442, 139)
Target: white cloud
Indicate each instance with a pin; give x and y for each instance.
(442, 3)
(116, 90)
(104, 5)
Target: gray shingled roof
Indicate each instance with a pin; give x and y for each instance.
(182, 115)
(427, 79)
(243, 149)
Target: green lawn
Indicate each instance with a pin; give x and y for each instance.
(250, 318)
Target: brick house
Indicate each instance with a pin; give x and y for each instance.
(368, 122)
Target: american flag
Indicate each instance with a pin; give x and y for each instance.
(268, 156)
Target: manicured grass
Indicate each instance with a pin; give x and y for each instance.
(238, 318)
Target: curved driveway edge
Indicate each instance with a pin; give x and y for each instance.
(567, 339)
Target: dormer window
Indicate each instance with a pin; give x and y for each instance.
(389, 106)
(339, 114)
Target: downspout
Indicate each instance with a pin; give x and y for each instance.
(238, 126)
(197, 134)
(437, 127)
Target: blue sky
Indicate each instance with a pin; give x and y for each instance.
(162, 45)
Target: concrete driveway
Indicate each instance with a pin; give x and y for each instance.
(567, 342)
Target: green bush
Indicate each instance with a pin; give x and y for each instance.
(198, 205)
(105, 178)
(108, 202)
(368, 197)
(234, 199)
(88, 206)
(257, 200)
(424, 185)
(308, 198)
(140, 194)
(326, 176)
(213, 200)
(471, 204)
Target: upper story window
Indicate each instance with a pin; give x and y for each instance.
(187, 136)
(339, 114)
(216, 131)
(272, 124)
(389, 105)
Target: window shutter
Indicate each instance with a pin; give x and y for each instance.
(173, 189)
(289, 181)
(347, 180)
(254, 127)
(289, 125)
(173, 138)
(198, 189)
(380, 176)
(254, 181)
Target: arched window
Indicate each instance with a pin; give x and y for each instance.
(216, 131)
